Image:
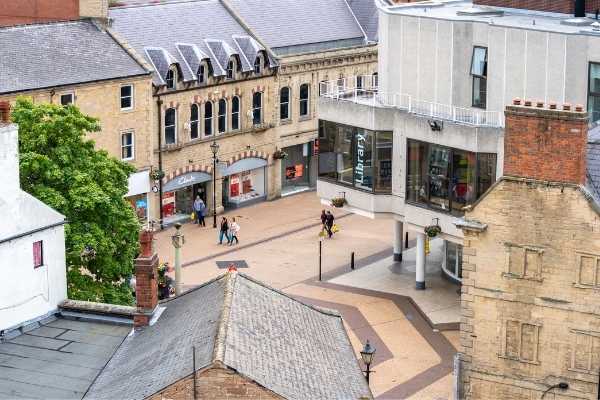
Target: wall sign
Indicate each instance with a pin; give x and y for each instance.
(359, 173)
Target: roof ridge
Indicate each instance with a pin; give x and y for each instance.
(322, 310)
(152, 4)
(194, 289)
(221, 335)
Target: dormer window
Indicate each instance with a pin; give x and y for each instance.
(257, 65)
(230, 69)
(202, 74)
(171, 79)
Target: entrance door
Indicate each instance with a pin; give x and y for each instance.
(225, 191)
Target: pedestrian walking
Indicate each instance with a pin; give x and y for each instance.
(323, 218)
(329, 223)
(234, 229)
(200, 210)
(224, 231)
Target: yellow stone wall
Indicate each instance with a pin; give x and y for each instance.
(530, 295)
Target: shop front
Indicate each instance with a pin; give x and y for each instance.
(137, 195)
(244, 182)
(297, 173)
(179, 194)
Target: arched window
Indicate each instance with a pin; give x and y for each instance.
(235, 113)
(171, 79)
(284, 103)
(222, 120)
(201, 74)
(208, 118)
(257, 65)
(170, 126)
(304, 96)
(230, 69)
(194, 115)
(257, 108)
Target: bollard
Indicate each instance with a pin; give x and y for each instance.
(352, 261)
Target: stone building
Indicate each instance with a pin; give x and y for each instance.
(242, 74)
(80, 62)
(32, 244)
(530, 318)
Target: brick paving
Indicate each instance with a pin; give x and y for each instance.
(279, 242)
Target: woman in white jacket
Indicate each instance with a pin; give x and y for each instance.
(234, 228)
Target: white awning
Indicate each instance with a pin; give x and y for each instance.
(245, 164)
(139, 183)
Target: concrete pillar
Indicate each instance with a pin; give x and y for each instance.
(398, 234)
(420, 267)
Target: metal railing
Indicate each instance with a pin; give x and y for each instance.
(364, 90)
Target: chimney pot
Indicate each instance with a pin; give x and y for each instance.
(517, 101)
(527, 103)
(4, 112)
(566, 107)
(539, 104)
(579, 108)
(552, 105)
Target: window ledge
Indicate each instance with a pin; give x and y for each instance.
(428, 207)
(305, 117)
(583, 286)
(518, 360)
(583, 371)
(285, 121)
(127, 110)
(509, 275)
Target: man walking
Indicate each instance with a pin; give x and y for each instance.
(329, 223)
(199, 209)
(224, 232)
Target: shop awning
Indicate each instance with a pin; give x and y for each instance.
(246, 164)
(191, 178)
(139, 183)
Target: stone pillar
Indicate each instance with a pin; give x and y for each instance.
(146, 285)
(420, 262)
(398, 233)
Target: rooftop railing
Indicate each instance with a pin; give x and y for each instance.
(364, 90)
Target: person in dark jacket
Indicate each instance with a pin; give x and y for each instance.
(329, 219)
(224, 230)
(323, 218)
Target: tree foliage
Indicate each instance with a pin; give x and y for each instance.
(60, 167)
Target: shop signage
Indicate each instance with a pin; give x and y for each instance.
(359, 173)
(186, 180)
(316, 147)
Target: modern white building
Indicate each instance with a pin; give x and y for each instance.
(424, 138)
(32, 246)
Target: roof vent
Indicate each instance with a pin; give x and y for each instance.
(481, 12)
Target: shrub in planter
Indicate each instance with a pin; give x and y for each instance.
(157, 174)
(338, 202)
(433, 230)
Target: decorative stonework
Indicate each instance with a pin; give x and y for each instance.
(248, 154)
(185, 170)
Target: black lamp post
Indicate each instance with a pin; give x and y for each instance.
(214, 147)
(367, 354)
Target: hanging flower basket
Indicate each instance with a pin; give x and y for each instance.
(433, 230)
(338, 202)
(157, 174)
(279, 155)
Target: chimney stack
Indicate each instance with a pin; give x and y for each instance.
(146, 285)
(548, 144)
(4, 112)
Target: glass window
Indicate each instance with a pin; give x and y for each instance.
(594, 92)
(356, 157)
(479, 92)
(222, 121)
(230, 69)
(194, 117)
(257, 108)
(304, 93)
(170, 126)
(208, 118)
(359, 82)
(235, 113)
(257, 65)
(38, 254)
(375, 80)
(479, 61)
(284, 103)
(446, 178)
(479, 73)
(127, 146)
(201, 73)
(170, 79)
(66, 99)
(383, 161)
(454, 259)
(126, 97)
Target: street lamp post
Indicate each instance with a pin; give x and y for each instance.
(214, 147)
(178, 241)
(367, 354)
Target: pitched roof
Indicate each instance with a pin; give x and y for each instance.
(291, 26)
(184, 33)
(295, 350)
(367, 15)
(64, 53)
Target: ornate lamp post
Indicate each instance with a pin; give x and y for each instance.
(367, 354)
(178, 241)
(214, 147)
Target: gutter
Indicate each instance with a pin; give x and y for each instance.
(31, 232)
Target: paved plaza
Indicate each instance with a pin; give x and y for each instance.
(279, 245)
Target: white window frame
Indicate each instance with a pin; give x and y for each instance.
(60, 96)
(174, 79)
(306, 100)
(258, 65)
(236, 114)
(287, 103)
(209, 120)
(174, 126)
(259, 108)
(230, 72)
(196, 121)
(202, 73)
(224, 115)
(132, 145)
(121, 97)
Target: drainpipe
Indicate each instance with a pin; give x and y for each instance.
(160, 167)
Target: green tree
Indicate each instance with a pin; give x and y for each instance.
(60, 167)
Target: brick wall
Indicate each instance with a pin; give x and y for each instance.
(33, 11)
(558, 6)
(215, 383)
(545, 144)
